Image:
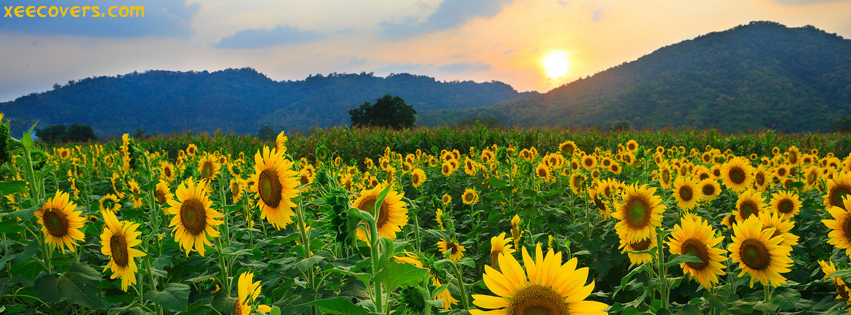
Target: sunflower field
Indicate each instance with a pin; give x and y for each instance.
(428, 221)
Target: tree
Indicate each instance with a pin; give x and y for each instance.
(266, 133)
(841, 125)
(388, 111)
(53, 133)
(80, 133)
(621, 126)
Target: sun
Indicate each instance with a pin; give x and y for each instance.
(556, 64)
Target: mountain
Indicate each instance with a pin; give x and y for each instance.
(239, 100)
(760, 75)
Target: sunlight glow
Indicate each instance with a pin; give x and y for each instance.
(556, 64)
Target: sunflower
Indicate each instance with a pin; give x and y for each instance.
(665, 176)
(837, 189)
(786, 203)
(392, 215)
(456, 251)
(275, 187)
(550, 288)
(696, 237)
(840, 234)
(750, 202)
(639, 214)
(794, 154)
(500, 245)
(567, 147)
(470, 196)
(446, 169)
(632, 146)
(760, 254)
(687, 193)
(577, 182)
(841, 287)
(134, 188)
(760, 179)
(237, 185)
(281, 143)
(709, 189)
(438, 216)
(192, 149)
(811, 177)
(589, 162)
(642, 245)
(247, 293)
(167, 171)
(615, 168)
(109, 202)
(163, 194)
(782, 171)
(193, 218)
(59, 222)
(444, 295)
(781, 227)
(737, 174)
(208, 167)
(597, 197)
(117, 241)
(516, 231)
(729, 221)
(418, 177)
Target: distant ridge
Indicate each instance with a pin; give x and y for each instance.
(760, 75)
(235, 100)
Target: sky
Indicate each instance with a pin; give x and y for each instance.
(479, 40)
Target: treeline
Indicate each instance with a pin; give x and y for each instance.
(236, 100)
(761, 75)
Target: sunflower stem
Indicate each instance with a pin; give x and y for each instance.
(225, 281)
(460, 280)
(374, 240)
(662, 273)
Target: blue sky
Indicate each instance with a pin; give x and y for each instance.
(481, 40)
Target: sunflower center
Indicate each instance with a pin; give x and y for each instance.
(841, 289)
(207, 170)
(846, 227)
(686, 193)
(118, 246)
(760, 178)
(270, 188)
(542, 172)
(589, 162)
(754, 254)
(781, 171)
(495, 259)
(368, 205)
(468, 197)
(708, 189)
(836, 196)
(55, 222)
(666, 176)
(747, 209)
(737, 175)
(304, 180)
(637, 213)
(193, 216)
(641, 245)
(698, 249)
(160, 197)
(537, 300)
(453, 247)
(599, 203)
(785, 206)
(235, 189)
(416, 178)
(237, 308)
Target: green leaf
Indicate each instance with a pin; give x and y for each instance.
(364, 277)
(787, 299)
(845, 273)
(690, 310)
(175, 297)
(11, 187)
(27, 214)
(27, 141)
(339, 305)
(387, 248)
(48, 289)
(275, 311)
(677, 259)
(80, 286)
(632, 273)
(395, 275)
(10, 226)
(223, 302)
(306, 263)
(28, 252)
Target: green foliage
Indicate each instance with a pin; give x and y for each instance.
(621, 126)
(388, 111)
(266, 133)
(490, 122)
(761, 75)
(75, 133)
(841, 125)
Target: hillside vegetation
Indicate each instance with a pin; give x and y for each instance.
(761, 75)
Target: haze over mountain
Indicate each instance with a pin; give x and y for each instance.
(238, 100)
(761, 75)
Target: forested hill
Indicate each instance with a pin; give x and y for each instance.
(239, 100)
(760, 75)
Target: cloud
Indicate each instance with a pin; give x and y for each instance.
(563, 3)
(507, 52)
(459, 55)
(450, 14)
(280, 35)
(166, 18)
(598, 14)
(408, 67)
(353, 63)
(466, 67)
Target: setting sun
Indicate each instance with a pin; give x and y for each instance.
(556, 64)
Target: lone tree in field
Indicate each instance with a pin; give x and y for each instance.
(387, 111)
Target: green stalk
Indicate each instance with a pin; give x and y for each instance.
(460, 281)
(662, 272)
(224, 269)
(373, 233)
